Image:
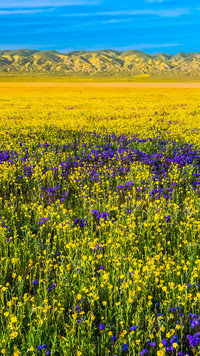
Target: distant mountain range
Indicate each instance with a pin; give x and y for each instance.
(101, 63)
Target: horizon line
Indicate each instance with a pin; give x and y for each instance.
(93, 50)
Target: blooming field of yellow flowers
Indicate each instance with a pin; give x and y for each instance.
(99, 220)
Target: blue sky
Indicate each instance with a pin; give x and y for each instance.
(151, 26)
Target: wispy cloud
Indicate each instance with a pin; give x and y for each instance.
(157, 12)
(142, 46)
(115, 21)
(162, 12)
(27, 46)
(153, 0)
(17, 4)
(20, 12)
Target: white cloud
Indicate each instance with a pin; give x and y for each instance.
(18, 4)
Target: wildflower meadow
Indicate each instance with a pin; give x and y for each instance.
(99, 221)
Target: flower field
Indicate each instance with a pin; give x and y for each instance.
(99, 221)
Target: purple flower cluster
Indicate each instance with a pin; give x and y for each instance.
(133, 328)
(80, 222)
(193, 340)
(35, 282)
(97, 215)
(124, 347)
(42, 221)
(101, 327)
(41, 347)
(194, 321)
(126, 186)
(7, 156)
(169, 344)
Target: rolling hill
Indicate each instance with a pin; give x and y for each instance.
(102, 62)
